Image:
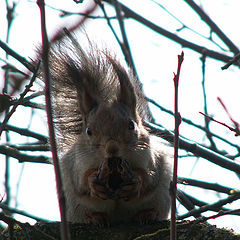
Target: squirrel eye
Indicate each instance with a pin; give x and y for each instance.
(131, 125)
(89, 131)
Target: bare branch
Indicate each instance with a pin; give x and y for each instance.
(193, 124)
(236, 130)
(45, 59)
(30, 147)
(18, 57)
(195, 148)
(234, 60)
(184, 26)
(189, 202)
(11, 152)
(235, 123)
(20, 212)
(173, 186)
(215, 206)
(207, 122)
(219, 214)
(205, 185)
(20, 100)
(213, 26)
(184, 43)
(125, 46)
(26, 132)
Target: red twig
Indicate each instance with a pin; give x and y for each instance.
(235, 129)
(173, 187)
(45, 60)
(236, 124)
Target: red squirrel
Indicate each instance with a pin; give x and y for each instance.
(113, 169)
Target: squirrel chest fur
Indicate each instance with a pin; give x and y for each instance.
(113, 170)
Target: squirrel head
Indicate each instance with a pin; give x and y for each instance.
(94, 94)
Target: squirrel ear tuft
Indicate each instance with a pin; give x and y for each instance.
(127, 94)
(86, 101)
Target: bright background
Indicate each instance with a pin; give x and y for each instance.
(33, 185)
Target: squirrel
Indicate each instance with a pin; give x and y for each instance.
(113, 170)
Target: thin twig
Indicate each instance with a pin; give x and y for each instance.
(20, 212)
(26, 132)
(235, 123)
(184, 26)
(14, 153)
(64, 13)
(196, 202)
(213, 26)
(205, 185)
(219, 214)
(192, 123)
(184, 43)
(207, 122)
(45, 58)
(31, 105)
(173, 188)
(20, 100)
(186, 201)
(209, 207)
(125, 45)
(234, 60)
(9, 17)
(195, 148)
(236, 130)
(30, 147)
(15, 55)
(101, 5)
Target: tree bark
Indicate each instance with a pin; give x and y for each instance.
(185, 230)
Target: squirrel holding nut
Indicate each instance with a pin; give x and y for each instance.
(113, 170)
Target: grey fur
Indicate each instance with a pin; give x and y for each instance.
(94, 101)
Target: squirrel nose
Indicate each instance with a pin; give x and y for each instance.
(112, 148)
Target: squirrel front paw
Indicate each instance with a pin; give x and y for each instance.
(114, 186)
(130, 190)
(118, 179)
(96, 188)
(126, 192)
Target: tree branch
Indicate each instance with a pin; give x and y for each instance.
(195, 148)
(214, 206)
(47, 77)
(205, 185)
(20, 100)
(184, 43)
(193, 124)
(20, 212)
(18, 57)
(213, 26)
(11, 152)
(26, 132)
(173, 187)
